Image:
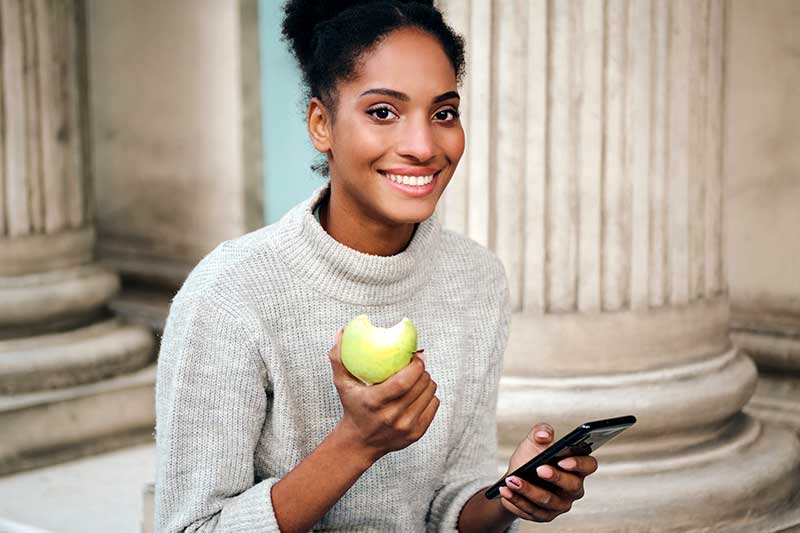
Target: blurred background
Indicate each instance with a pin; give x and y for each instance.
(634, 163)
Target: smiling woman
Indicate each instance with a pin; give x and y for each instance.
(393, 139)
(257, 430)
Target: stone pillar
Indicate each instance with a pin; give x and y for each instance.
(59, 344)
(763, 194)
(176, 140)
(593, 170)
(177, 158)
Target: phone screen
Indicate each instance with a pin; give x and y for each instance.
(583, 440)
(587, 443)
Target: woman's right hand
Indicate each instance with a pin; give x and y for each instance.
(386, 416)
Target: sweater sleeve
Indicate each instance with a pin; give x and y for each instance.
(211, 403)
(472, 466)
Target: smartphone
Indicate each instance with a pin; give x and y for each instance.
(583, 440)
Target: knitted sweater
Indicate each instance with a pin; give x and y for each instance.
(245, 389)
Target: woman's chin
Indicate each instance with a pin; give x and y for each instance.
(413, 215)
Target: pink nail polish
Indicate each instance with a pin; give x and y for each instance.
(567, 463)
(514, 482)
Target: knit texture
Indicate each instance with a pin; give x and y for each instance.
(245, 388)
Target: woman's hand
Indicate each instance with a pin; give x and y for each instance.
(531, 502)
(387, 416)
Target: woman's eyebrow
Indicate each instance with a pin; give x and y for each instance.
(405, 98)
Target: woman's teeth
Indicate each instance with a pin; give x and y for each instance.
(410, 180)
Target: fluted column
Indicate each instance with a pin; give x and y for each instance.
(55, 329)
(593, 170)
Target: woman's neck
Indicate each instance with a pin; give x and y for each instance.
(362, 233)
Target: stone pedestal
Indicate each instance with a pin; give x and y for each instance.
(594, 171)
(62, 351)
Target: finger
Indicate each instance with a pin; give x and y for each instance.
(425, 419)
(532, 495)
(414, 409)
(566, 481)
(340, 372)
(514, 503)
(407, 408)
(336, 349)
(399, 384)
(581, 466)
(412, 401)
(505, 494)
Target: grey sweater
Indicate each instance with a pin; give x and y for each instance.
(245, 389)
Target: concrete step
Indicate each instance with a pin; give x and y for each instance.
(96, 494)
(49, 427)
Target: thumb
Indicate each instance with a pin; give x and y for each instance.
(541, 433)
(339, 370)
(336, 350)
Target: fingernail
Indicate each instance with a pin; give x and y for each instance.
(567, 463)
(544, 472)
(514, 482)
(543, 434)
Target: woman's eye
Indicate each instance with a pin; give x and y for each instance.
(381, 113)
(443, 115)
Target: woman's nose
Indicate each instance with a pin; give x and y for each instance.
(417, 141)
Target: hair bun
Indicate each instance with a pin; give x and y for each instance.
(300, 17)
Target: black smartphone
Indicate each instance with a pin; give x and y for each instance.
(583, 440)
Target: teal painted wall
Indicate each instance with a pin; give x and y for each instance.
(288, 152)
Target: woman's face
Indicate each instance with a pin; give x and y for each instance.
(398, 117)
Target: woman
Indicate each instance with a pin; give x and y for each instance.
(259, 430)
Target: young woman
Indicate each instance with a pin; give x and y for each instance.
(259, 425)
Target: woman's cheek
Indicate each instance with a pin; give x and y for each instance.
(454, 144)
(370, 145)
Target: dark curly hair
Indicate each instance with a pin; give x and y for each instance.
(328, 38)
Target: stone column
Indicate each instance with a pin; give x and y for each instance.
(763, 194)
(59, 344)
(176, 140)
(593, 170)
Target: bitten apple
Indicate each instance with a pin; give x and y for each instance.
(374, 354)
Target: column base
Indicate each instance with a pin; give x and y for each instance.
(693, 461)
(83, 355)
(44, 302)
(777, 400)
(677, 408)
(776, 351)
(752, 486)
(66, 424)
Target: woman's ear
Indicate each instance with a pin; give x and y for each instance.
(319, 125)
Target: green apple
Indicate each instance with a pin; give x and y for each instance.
(374, 354)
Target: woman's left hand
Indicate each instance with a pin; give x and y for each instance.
(531, 502)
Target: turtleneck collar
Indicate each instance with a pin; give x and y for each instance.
(347, 274)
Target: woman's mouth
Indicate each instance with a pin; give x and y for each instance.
(413, 186)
